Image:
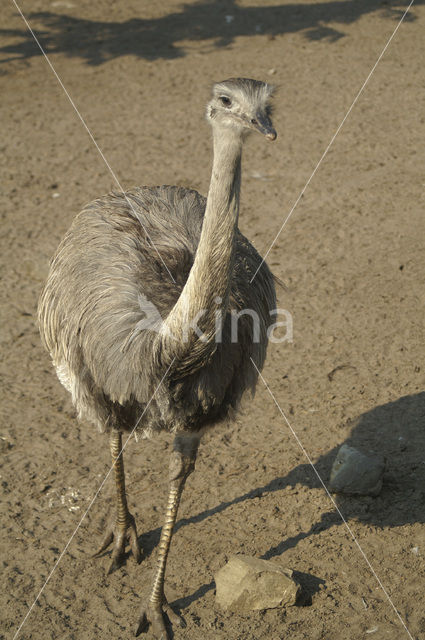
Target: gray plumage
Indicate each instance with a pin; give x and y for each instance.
(109, 264)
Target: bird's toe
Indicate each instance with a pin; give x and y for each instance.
(156, 616)
(104, 544)
(134, 542)
(175, 618)
(119, 535)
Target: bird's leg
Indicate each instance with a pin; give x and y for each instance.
(124, 527)
(182, 463)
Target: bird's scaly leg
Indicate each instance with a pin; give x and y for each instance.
(124, 527)
(182, 463)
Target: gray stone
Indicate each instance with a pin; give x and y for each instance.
(354, 473)
(247, 584)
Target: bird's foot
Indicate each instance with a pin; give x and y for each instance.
(120, 534)
(155, 614)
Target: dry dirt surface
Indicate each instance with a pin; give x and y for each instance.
(351, 256)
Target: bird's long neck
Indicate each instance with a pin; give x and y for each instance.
(205, 295)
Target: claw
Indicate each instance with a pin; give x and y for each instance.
(155, 615)
(120, 535)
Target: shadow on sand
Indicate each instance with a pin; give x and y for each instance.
(217, 24)
(397, 431)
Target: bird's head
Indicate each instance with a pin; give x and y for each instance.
(242, 105)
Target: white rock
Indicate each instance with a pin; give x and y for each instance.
(247, 584)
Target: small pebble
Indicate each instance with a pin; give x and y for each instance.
(354, 473)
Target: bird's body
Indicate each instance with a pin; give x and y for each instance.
(156, 313)
(108, 290)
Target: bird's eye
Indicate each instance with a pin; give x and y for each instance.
(225, 101)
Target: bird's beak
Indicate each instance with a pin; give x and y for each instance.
(263, 124)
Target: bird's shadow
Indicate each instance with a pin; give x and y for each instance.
(394, 430)
(214, 25)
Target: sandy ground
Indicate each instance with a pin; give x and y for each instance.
(351, 256)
